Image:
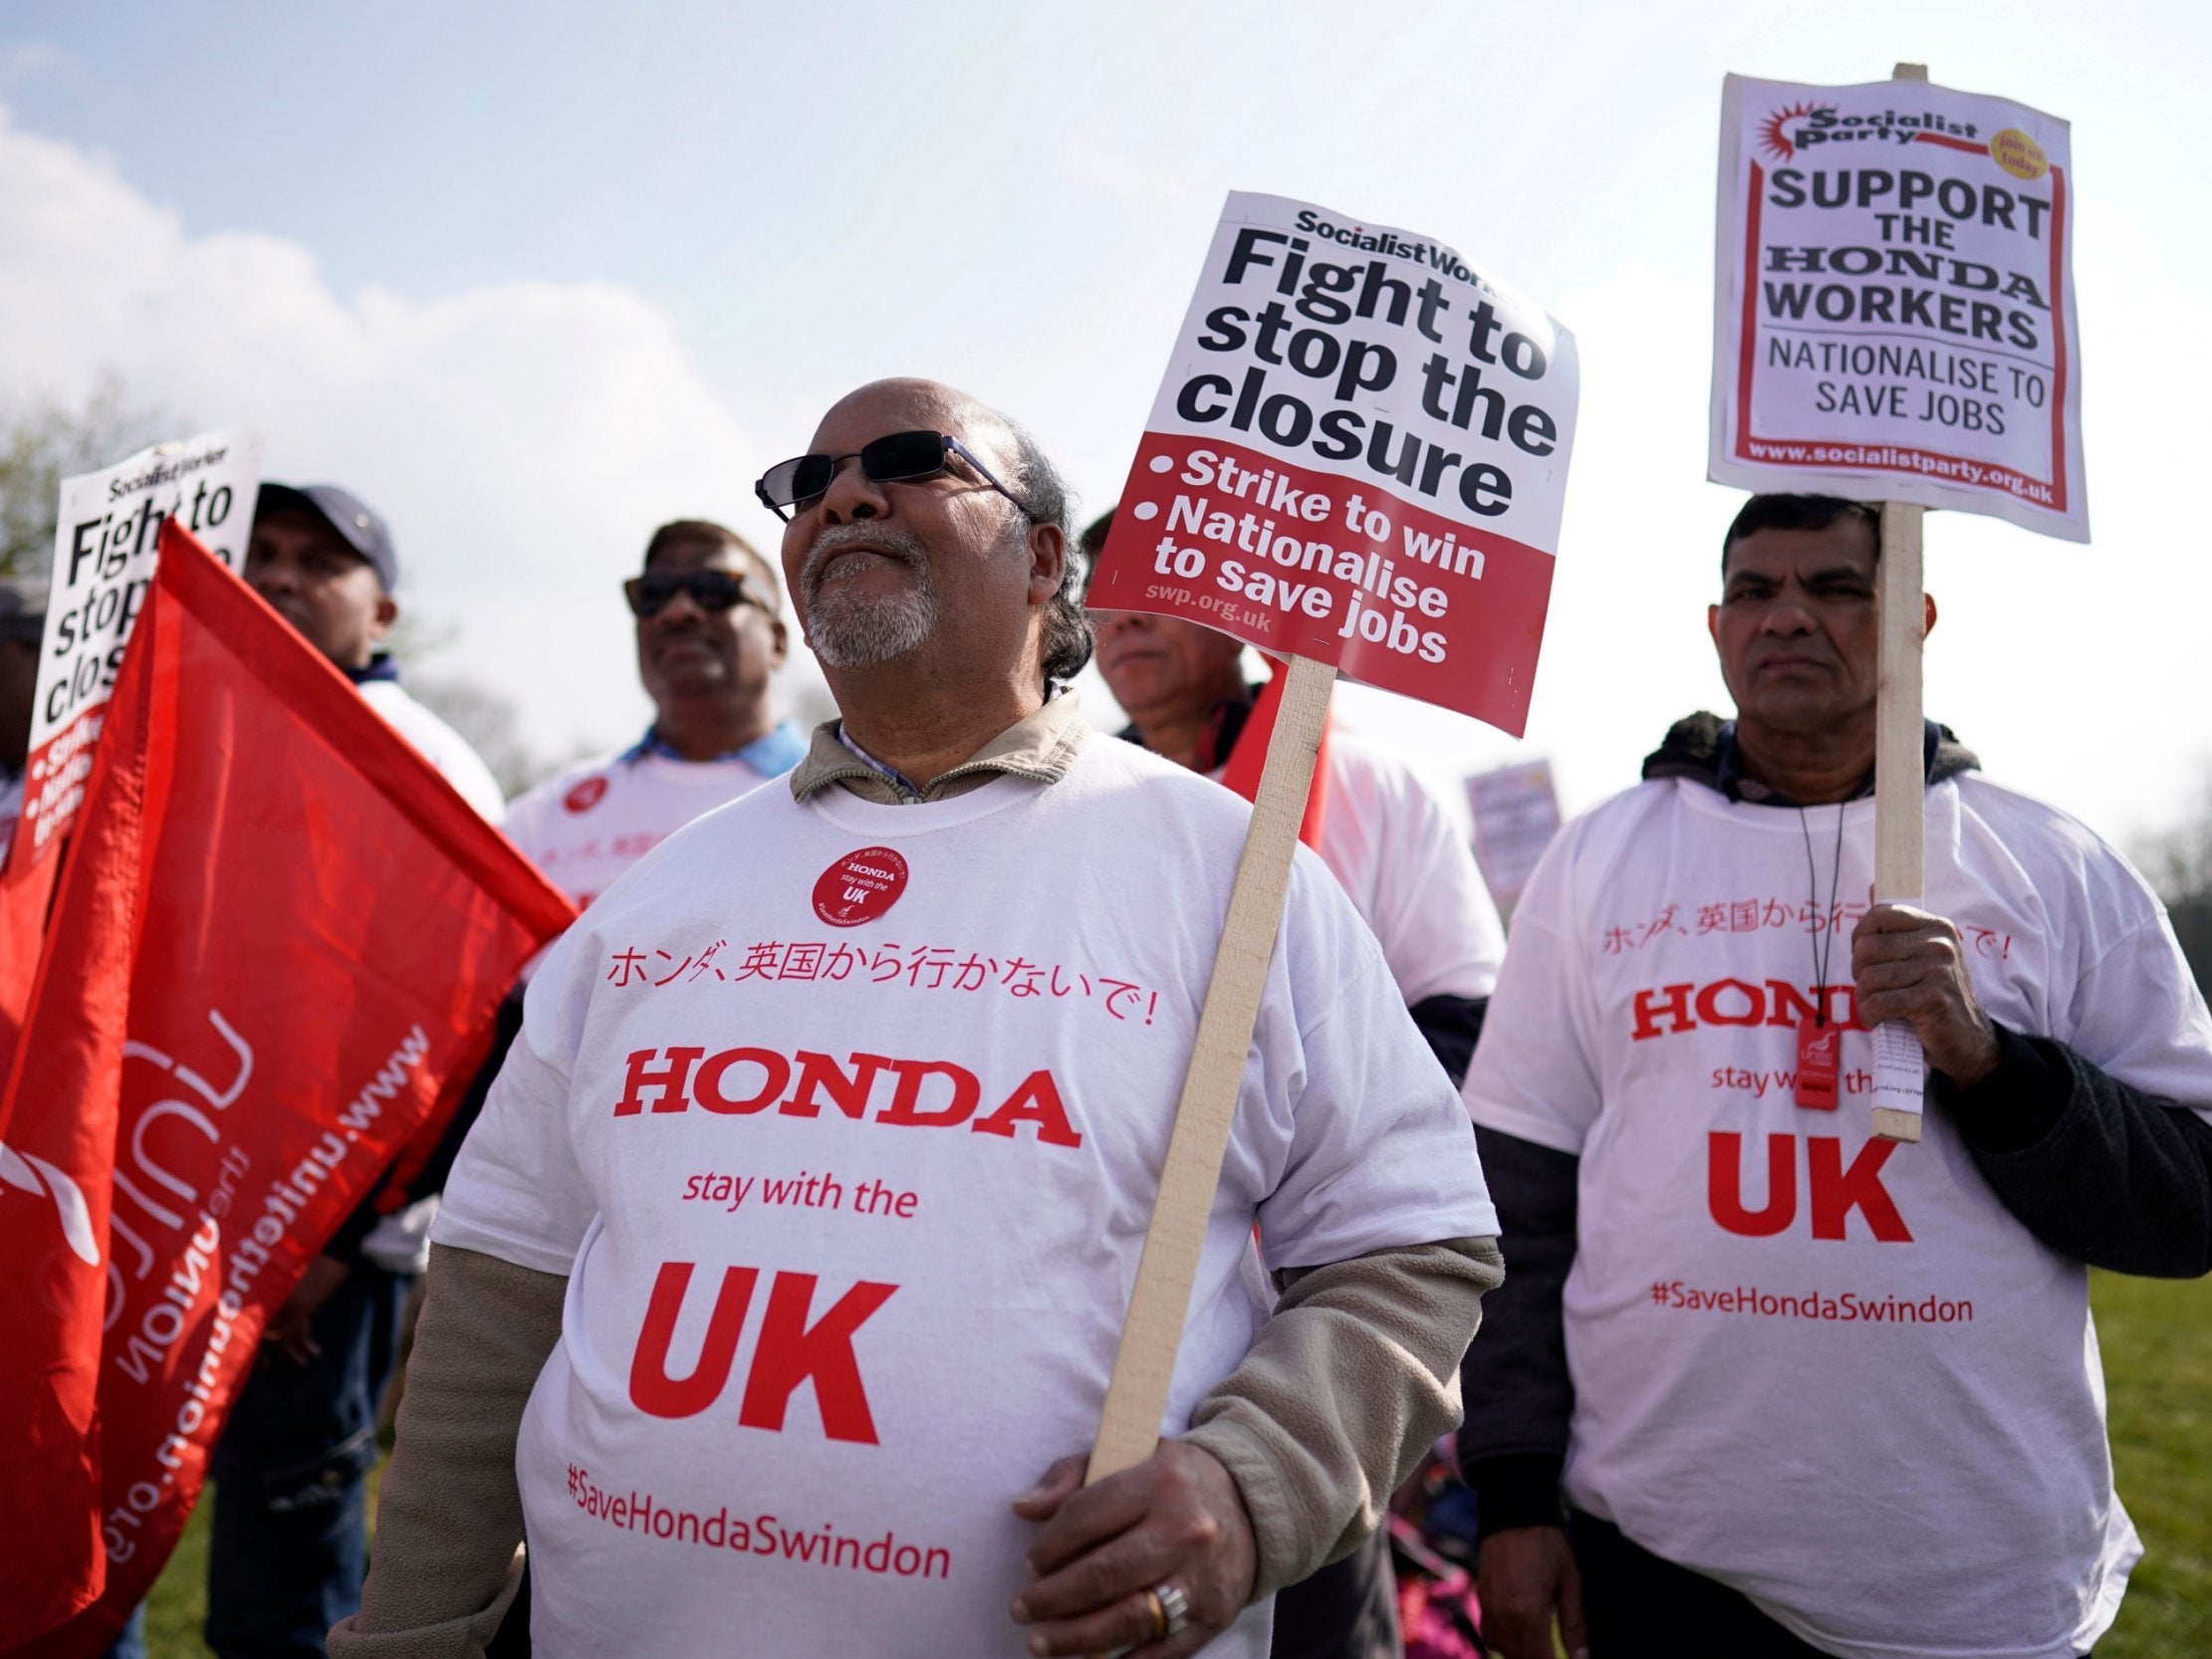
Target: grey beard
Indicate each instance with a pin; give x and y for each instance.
(849, 632)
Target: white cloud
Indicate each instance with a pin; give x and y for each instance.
(521, 439)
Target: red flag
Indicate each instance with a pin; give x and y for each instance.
(1248, 756)
(24, 893)
(278, 933)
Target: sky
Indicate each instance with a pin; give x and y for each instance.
(534, 279)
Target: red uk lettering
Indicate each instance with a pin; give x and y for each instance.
(905, 1106)
(706, 1087)
(1724, 1192)
(651, 1390)
(791, 1352)
(1831, 1191)
(1035, 1101)
(668, 1080)
(1673, 1000)
(1836, 1190)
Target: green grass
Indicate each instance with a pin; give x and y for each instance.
(2157, 1340)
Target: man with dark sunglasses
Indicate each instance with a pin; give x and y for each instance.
(781, 1279)
(709, 636)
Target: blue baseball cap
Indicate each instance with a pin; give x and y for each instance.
(357, 525)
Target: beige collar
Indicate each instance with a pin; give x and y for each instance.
(1041, 748)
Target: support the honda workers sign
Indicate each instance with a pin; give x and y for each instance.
(1359, 455)
(1895, 301)
(103, 552)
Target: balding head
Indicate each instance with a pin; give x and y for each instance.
(905, 403)
(970, 563)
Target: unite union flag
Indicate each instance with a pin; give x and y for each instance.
(272, 959)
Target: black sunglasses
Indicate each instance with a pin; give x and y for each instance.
(648, 595)
(900, 458)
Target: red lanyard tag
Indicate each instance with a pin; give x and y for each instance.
(1819, 1053)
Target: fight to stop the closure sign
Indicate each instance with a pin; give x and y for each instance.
(1895, 301)
(105, 541)
(1359, 455)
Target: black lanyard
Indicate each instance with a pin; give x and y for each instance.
(1822, 958)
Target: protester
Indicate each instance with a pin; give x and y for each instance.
(1412, 877)
(1055, 905)
(1817, 1392)
(22, 627)
(288, 1539)
(708, 637)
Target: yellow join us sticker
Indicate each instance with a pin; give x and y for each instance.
(2018, 154)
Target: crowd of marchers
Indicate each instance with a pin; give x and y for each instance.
(1676, 1440)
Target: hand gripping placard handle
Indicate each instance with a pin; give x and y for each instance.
(1144, 1364)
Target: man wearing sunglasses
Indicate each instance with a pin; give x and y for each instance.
(710, 637)
(780, 1282)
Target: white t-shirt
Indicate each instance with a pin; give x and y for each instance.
(1410, 874)
(439, 744)
(588, 824)
(939, 1047)
(1833, 1373)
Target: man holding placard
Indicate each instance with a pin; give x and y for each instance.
(927, 1260)
(1817, 1392)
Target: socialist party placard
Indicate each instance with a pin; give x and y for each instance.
(104, 555)
(1359, 455)
(1894, 304)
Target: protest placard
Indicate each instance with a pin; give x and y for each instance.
(1516, 815)
(1893, 321)
(1893, 311)
(104, 553)
(1356, 461)
(1359, 455)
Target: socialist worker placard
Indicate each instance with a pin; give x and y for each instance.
(1893, 301)
(1359, 455)
(104, 539)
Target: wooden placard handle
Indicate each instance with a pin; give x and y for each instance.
(1900, 779)
(1144, 1364)
(1900, 793)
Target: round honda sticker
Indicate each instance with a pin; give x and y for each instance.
(585, 796)
(859, 886)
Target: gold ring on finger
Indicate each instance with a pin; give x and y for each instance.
(1159, 1609)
